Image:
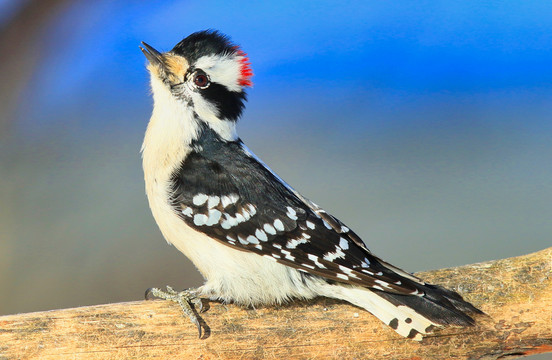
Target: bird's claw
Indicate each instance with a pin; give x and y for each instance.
(187, 300)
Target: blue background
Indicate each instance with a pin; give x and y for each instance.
(424, 126)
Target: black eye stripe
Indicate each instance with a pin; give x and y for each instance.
(228, 103)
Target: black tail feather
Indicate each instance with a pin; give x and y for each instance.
(440, 305)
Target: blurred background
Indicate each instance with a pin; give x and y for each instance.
(426, 127)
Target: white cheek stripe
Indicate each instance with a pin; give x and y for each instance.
(222, 69)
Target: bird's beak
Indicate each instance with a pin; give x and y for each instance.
(153, 56)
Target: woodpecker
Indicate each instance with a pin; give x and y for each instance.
(256, 240)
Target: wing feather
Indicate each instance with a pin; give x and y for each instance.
(229, 194)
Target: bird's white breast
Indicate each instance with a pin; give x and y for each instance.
(231, 274)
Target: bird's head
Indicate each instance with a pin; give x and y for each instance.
(204, 74)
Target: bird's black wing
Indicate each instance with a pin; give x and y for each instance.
(224, 191)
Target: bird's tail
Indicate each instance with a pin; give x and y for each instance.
(411, 316)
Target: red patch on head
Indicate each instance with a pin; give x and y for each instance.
(246, 73)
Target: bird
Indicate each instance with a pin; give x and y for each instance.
(255, 240)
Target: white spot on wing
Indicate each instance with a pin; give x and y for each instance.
(382, 283)
(417, 292)
(239, 218)
(291, 213)
(200, 219)
(228, 222)
(199, 199)
(188, 212)
(213, 201)
(315, 259)
(343, 243)
(233, 198)
(261, 235)
(278, 225)
(292, 243)
(269, 229)
(252, 209)
(225, 200)
(310, 225)
(287, 254)
(345, 269)
(214, 217)
(252, 239)
(331, 256)
(245, 214)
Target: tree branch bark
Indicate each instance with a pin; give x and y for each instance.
(516, 294)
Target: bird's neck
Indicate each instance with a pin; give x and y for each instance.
(173, 131)
(170, 132)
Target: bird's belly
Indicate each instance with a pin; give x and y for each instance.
(237, 276)
(231, 275)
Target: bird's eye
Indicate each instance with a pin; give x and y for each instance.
(201, 80)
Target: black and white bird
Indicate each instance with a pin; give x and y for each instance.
(254, 238)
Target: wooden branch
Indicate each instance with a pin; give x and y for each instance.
(516, 293)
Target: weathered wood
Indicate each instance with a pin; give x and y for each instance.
(516, 294)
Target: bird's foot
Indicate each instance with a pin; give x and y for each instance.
(187, 299)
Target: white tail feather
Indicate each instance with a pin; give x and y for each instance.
(404, 320)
